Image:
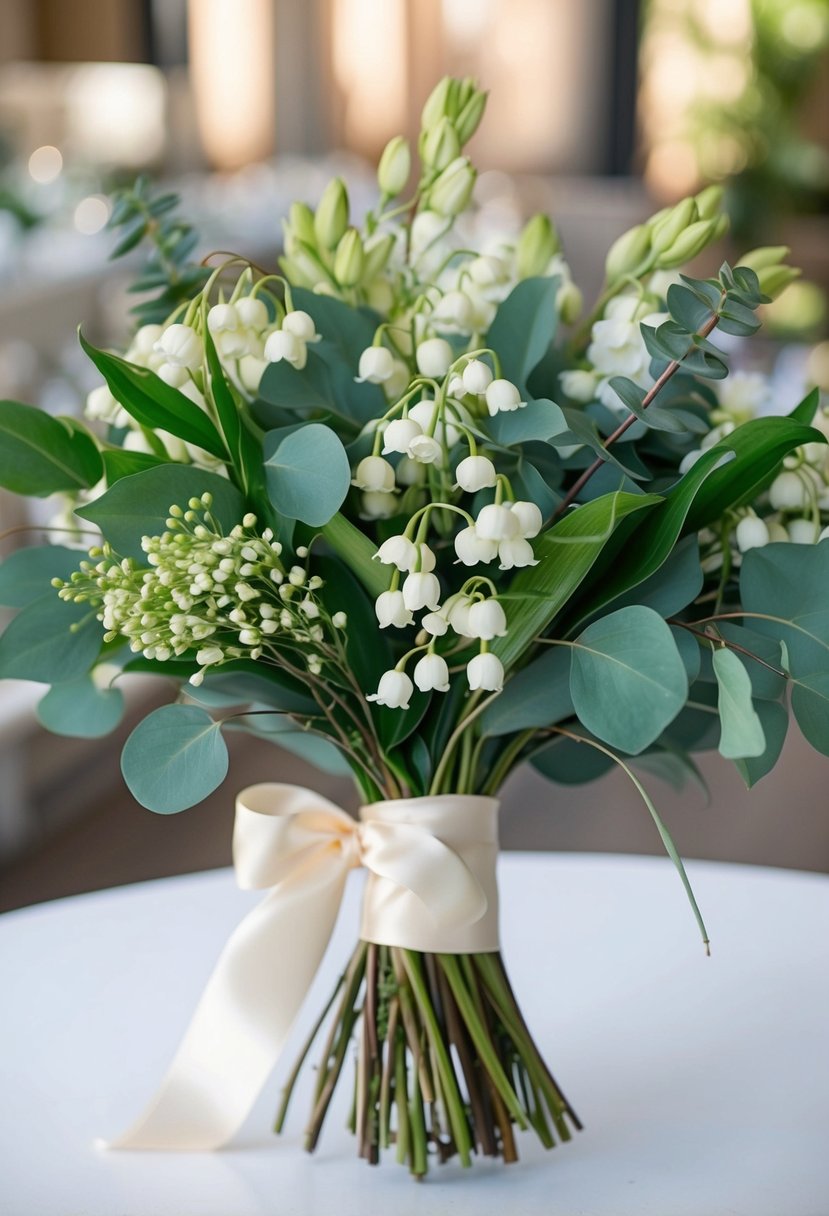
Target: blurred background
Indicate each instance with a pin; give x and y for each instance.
(600, 112)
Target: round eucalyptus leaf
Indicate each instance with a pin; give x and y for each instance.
(174, 759)
(308, 474)
(80, 709)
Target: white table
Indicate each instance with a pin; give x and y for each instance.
(703, 1083)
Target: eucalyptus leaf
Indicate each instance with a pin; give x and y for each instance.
(174, 758)
(774, 719)
(541, 419)
(308, 474)
(810, 706)
(538, 695)
(26, 575)
(524, 327)
(50, 641)
(784, 589)
(742, 731)
(81, 710)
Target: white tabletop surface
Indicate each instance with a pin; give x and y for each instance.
(703, 1083)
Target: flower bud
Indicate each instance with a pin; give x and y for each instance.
(394, 167)
(788, 492)
(751, 533)
(394, 690)
(425, 449)
(441, 102)
(399, 434)
(529, 518)
(222, 318)
(349, 260)
(331, 217)
(475, 473)
(145, 338)
(300, 227)
(666, 229)
(497, 522)
(473, 549)
(774, 280)
(252, 312)
(181, 346)
(378, 504)
(454, 312)
(688, 244)
(709, 201)
(487, 620)
(392, 611)
(628, 253)
(431, 672)
(536, 245)
(374, 473)
(434, 357)
(301, 325)
(477, 377)
(452, 191)
(569, 302)
(579, 385)
(485, 673)
(765, 256)
(281, 344)
(441, 145)
(421, 591)
(397, 551)
(470, 115)
(377, 250)
(434, 623)
(459, 615)
(376, 365)
(502, 395)
(803, 531)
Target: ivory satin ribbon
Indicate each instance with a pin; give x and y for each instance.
(430, 887)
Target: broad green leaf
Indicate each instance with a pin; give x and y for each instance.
(688, 309)
(689, 651)
(524, 327)
(155, 404)
(305, 391)
(810, 706)
(537, 420)
(742, 731)
(357, 551)
(653, 416)
(50, 641)
(672, 766)
(565, 554)
(676, 583)
(139, 505)
(118, 463)
(568, 762)
(774, 719)
(787, 586)
(238, 682)
(765, 683)
(627, 678)
(538, 695)
(80, 709)
(282, 731)
(245, 451)
(27, 574)
(806, 410)
(174, 759)
(697, 726)
(367, 646)
(41, 455)
(308, 474)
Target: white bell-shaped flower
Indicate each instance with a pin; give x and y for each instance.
(252, 312)
(515, 552)
(399, 434)
(301, 324)
(503, 396)
(803, 531)
(472, 548)
(391, 610)
(251, 371)
(397, 551)
(530, 518)
(426, 560)
(477, 377)
(374, 473)
(431, 672)
(421, 591)
(376, 365)
(425, 449)
(788, 492)
(454, 313)
(456, 387)
(579, 385)
(394, 690)
(144, 340)
(397, 382)
(434, 358)
(475, 473)
(458, 615)
(435, 623)
(378, 504)
(487, 620)
(281, 344)
(443, 429)
(100, 404)
(751, 533)
(485, 673)
(181, 346)
(497, 522)
(222, 318)
(172, 374)
(410, 473)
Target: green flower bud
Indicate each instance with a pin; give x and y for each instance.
(569, 302)
(688, 244)
(775, 279)
(709, 201)
(628, 252)
(441, 145)
(377, 250)
(536, 245)
(394, 167)
(441, 102)
(331, 218)
(469, 118)
(666, 230)
(765, 256)
(299, 226)
(349, 261)
(452, 191)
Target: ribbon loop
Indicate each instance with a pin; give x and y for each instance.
(423, 855)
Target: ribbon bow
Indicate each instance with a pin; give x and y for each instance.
(426, 891)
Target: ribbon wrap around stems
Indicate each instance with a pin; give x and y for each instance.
(430, 887)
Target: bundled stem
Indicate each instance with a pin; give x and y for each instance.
(445, 1066)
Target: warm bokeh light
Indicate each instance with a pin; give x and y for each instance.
(232, 46)
(91, 214)
(45, 164)
(369, 61)
(115, 113)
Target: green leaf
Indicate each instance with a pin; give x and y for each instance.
(672, 587)
(282, 731)
(539, 419)
(308, 474)
(27, 574)
(653, 416)
(81, 710)
(742, 731)
(50, 641)
(565, 554)
(357, 551)
(571, 762)
(118, 463)
(627, 679)
(245, 451)
(672, 766)
(774, 720)
(155, 404)
(810, 706)
(806, 410)
(174, 759)
(789, 585)
(308, 390)
(139, 505)
(524, 327)
(41, 455)
(688, 309)
(538, 695)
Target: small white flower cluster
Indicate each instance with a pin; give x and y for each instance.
(222, 597)
(616, 349)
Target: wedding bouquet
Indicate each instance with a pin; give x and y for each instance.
(401, 508)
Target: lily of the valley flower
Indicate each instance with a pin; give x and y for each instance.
(374, 473)
(471, 548)
(434, 357)
(399, 434)
(487, 620)
(503, 396)
(421, 591)
(485, 673)
(282, 344)
(476, 377)
(394, 690)
(376, 365)
(475, 473)
(391, 609)
(181, 346)
(431, 672)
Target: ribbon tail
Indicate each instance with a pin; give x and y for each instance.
(245, 1013)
